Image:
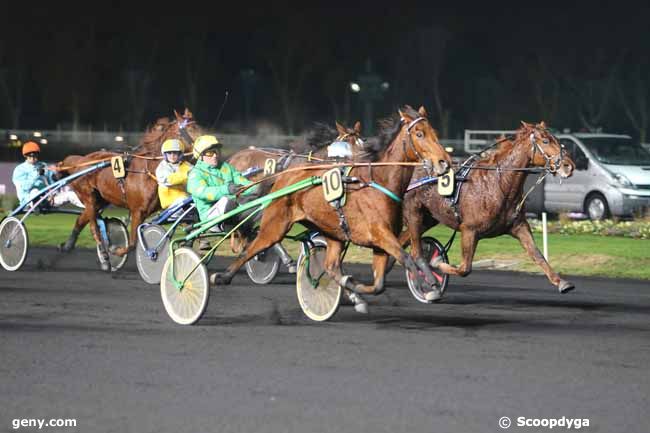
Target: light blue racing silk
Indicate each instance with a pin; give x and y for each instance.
(26, 179)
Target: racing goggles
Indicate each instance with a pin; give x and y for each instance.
(210, 153)
(32, 155)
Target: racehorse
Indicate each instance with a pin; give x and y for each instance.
(310, 148)
(371, 218)
(491, 200)
(137, 191)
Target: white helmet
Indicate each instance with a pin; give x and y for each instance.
(339, 149)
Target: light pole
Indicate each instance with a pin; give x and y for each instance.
(371, 88)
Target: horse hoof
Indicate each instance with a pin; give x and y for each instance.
(433, 295)
(291, 268)
(106, 267)
(64, 249)
(219, 278)
(565, 286)
(360, 304)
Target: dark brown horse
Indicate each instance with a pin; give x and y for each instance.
(372, 218)
(138, 191)
(490, 202)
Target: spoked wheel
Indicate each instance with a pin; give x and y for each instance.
(13, 244)
(262, 268)
(185, 305)
(150, 268)
(118, 237)
(318, 294)
(431, 249)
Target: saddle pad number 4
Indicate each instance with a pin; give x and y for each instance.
(332, 184)
(117, 165)
(446, 184)
(269, 166)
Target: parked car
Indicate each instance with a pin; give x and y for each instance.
(612, 178)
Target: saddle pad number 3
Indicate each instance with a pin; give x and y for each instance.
(332, 184)
(117, 165)
(446, 184)
(269, 166)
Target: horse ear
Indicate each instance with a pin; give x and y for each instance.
(178, 116)
(422, 111)
(357, 127)
(405, 116)
(187, 114)
(340, 128)
(525, 125)
(542, 124)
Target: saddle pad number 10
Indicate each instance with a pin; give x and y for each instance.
(269, 166)
(117, 165)
(332, 184)
(446, 184)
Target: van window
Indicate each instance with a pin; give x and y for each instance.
(573, 150)
(617, 150)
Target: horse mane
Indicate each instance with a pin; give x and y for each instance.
(319, 136)
(151, 140)
(388, 128)
(505, 144)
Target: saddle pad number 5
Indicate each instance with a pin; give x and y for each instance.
(332, 184)
(117, 165)
(446, 184)
(269, 166)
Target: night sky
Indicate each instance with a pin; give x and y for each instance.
(501, 63)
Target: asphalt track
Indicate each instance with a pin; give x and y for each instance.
(97, 348)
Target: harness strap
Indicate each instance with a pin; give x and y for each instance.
(385, 190)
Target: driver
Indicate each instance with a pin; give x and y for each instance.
(213, 184)
(171, 174)
(32, 176)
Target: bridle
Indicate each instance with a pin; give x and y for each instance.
(551, 164)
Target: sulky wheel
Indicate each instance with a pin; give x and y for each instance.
(150, 266)
(262, 268)
(185, 305)
(13, 244)
(118, 237)
(319, 295)
(431, 249)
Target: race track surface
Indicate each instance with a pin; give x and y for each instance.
(98, 348)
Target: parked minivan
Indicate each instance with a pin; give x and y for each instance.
(612, 178)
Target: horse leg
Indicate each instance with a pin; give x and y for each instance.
(521, 231)
(272, 231)
(92, 209)
(333, 269)
(468, 242)
(80, 223)
(136, 219)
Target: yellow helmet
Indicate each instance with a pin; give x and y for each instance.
(204, 143)
(172, 145)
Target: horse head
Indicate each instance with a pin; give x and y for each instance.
(421, 141)
(546, 151)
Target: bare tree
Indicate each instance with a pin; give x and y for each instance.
(546, 87)
(592, 85)
(12, 84)
(432, 45)
(635, 99)
(291, 59)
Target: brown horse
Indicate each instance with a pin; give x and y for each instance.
(371, 217)
(490, 201)
(309, 148)
(138, 191)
